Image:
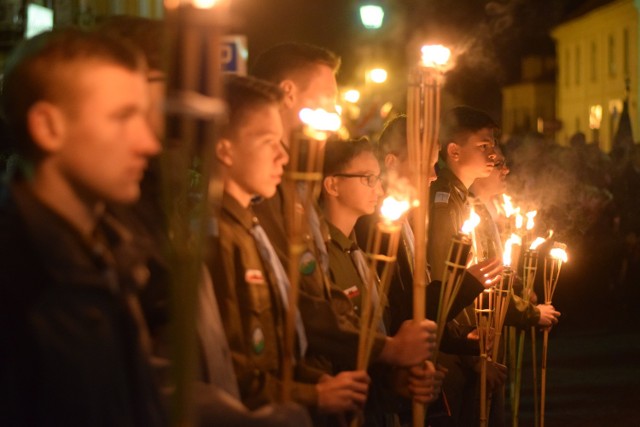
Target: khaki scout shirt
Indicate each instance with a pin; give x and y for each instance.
(344, 272)
(251, 310)
(331, 324)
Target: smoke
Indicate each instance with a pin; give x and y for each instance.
(566, 185)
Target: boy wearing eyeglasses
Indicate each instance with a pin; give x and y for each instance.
(351, 188)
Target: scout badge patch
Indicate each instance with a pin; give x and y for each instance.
(352, 292)
(307, 263)
(442, 197)
(253, 276)
(257, 340)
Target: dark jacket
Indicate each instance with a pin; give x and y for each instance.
(71, 329)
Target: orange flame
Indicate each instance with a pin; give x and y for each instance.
(559, 252)
(508, 248)
(471, 223)
(319, 122)
(530, 215)
(393, 209)
(435, 56)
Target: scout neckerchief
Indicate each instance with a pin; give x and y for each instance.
(269, 257)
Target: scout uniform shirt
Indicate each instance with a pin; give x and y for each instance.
(349, 271)
(329, 319)
(251, 309)
(448, 210)
(343, 271)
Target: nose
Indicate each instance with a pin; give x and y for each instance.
(492, 155)
(378, 188)
(148, 143)
(282, 156)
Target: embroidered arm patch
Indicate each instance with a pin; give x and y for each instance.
(442, 197)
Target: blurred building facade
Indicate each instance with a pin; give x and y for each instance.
(597, 56)
(84, 13)
(529, 105)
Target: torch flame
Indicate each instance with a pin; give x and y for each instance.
(519, 219)
(471, 223)
(204, 4)
(530, 215)
(435, 56)
(559, 252)
(508, 248)
(320, 119)
(508, 206)
(536, 243)
(392, 208)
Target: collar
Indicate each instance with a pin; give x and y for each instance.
(244, 216)
(67, 255)
(454, 183)
(345, 243)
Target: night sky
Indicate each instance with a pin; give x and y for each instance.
(492, 36)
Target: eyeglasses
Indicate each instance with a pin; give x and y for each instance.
(368, 180)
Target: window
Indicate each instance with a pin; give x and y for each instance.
(595, 116)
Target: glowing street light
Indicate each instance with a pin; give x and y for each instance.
(377, 75)
(371, 16)
(352, 96)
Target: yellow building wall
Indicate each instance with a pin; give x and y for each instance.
(524, 103)
(594, 60)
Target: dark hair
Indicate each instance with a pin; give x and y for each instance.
(144, 33)
(244, 94)
(461, 121)
(393, 139)
(338, 153)
(289, 59)
(39, 69)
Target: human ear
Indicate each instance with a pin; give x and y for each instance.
(224, 151)
(453, 151)
(289, 89)
(390, 161)
(47, 126)
(330, 186)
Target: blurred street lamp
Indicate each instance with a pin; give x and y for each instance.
(352, 96)
(377, 75)
(371, 16)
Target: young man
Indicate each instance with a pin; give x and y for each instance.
(482, 194)
(520, 313)
(249, 280)
(76, 104)
(392, 152)
(306, 74)
(351, 188)
(468, 150)
(217, 396)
